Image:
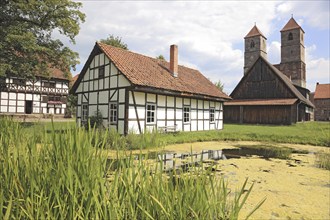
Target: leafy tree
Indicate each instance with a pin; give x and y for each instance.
(160, 57)
(220, 85)
(27, 47)
(114, 41)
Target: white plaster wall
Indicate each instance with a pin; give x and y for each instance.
(12, 95)
(4, 95)
(121, 111)
(93, 98)
(113, 82)
(193, 125)
(107, 70)
(123, 82)
(4, 109)
(170, 101)
(161, 100)
(103, 97)
(101, 81)
(113, 97)
(106, 83)
(104, 110)
(114, 70)
(4, 102)
(91, 110)
(12, 109)
(20, 96)
(139, 98)
(151, 98)
(179, 102)
(121, 95)
(28, 97)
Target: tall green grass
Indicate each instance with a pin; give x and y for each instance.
(323, 160)
(64, 175)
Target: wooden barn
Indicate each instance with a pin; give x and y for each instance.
(42, 95)
(266, 96)
(135, 93)
(272, 94)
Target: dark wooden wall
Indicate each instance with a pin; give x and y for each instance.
(259, 114)
(261, 83)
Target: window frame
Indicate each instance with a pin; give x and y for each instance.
(290, 36)
(153, 113)
(212, 115)
(186, 114)
(113, 113)
(83, 119)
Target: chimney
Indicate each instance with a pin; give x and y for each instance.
(174, 60)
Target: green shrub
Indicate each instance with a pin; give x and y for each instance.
(95, 121)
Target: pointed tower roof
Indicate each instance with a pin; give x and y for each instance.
(292, 24)
(254, 32)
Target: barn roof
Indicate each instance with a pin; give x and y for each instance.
(144, 71)
(262, 102)
(283, 78)
(322, 91)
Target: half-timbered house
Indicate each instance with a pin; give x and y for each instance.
(42, 95)
(272, 94)
(136, 93)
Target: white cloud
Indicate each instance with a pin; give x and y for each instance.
(209, 35)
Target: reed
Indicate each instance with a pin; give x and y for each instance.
(64, 175)
(323, 160)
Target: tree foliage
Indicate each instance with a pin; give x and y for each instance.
(27, 47)
(220, 85)
(114, 41)
(161, 57)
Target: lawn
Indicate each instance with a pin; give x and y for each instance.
(311, 133)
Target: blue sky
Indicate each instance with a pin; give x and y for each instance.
(209, 34)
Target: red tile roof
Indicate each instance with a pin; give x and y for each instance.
(74, 79)
(145, 71)
(57, 73)
(292, 24)
(262, 102)
(322, 91)
(254, 32)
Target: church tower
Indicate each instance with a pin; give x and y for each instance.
(293, 53)
(255, 46)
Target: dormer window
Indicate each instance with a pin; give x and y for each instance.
(252, 44)
(290, 37)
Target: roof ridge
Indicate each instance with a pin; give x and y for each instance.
(139, 54)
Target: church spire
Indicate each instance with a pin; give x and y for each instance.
(254, 32)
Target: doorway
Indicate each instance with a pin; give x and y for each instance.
(28, 107)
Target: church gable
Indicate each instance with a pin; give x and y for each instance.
(262, 82)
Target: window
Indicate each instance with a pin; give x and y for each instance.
(252, 44)
(151, 110)
(290, 37)
(212, 115)
(84, 115)
(113, 113)
(101, 72)
(186, 114)
(20, 82)
(54, 98)
(49, 84)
